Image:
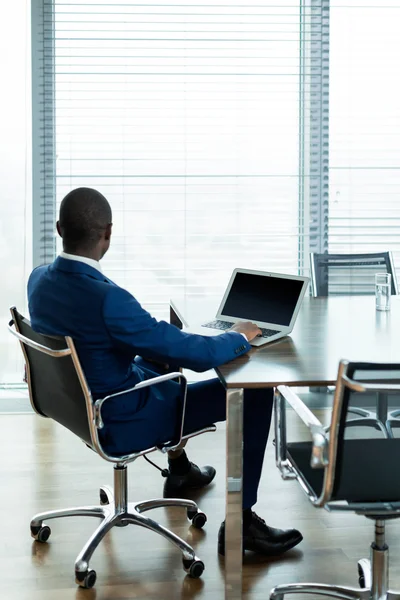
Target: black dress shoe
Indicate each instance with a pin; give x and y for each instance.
(261, 538)
(197, 477)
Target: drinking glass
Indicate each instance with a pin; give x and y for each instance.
(383, 288)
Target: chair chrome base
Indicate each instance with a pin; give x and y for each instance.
(380, 418)
(346, 593)
(373, 577)
(115, 511)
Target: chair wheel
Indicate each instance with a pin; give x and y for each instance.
(41, 534)
(191, 512)
(364, 573)
(194, 567)
(87, 579)
(198, 518)
(103, 498)
(361, 577)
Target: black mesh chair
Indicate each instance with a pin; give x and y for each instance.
(349, 274)
(58, 390)
(354, 274)
(345, 470)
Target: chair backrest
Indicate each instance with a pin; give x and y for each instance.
(363, 459)
(57, 386)
(372, 450)
(349, 274)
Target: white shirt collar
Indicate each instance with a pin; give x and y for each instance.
(88, 261)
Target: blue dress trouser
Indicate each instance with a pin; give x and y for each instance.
(206, 404)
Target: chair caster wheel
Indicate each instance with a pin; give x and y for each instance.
(194, 568)
(361, 577)
(198, 518)
(87, 579)
(364, 578)
(103, 498)
(41, 534)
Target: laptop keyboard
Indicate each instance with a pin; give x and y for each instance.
(223, 325)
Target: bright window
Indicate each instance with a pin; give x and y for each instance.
(185, 116)
(364, 208)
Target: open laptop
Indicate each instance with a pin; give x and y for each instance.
(271, 300)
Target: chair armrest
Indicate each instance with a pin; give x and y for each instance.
(35, 345)
(143, 384)
(319, 454)
(299, 407)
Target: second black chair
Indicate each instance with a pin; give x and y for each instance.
(354, 275)
(344, 470)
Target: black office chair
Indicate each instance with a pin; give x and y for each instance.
(58, 390)
(354, 274)
(349, 274)
(345, 470)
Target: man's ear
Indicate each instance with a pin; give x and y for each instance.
(108, 232)
(59, 229)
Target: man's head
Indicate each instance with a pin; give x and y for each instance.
(85, 223)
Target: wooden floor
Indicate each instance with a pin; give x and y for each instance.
(45, 467)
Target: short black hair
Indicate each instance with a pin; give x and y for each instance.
(84, 215)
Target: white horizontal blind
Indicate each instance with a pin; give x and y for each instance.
(364, 208)
(186, 116)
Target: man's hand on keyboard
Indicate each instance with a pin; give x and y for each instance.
(250, 330)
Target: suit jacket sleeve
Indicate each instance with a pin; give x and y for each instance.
(130, 326)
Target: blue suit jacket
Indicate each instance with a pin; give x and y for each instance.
(109, 328)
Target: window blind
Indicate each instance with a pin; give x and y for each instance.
(186, 117)
(364, 207)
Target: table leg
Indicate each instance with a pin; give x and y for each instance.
(234, 490)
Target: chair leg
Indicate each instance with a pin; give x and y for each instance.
(390, 423)
(80, 511)
(142, 507)
(191, 563)
(361, 412)
(369, 422)
(136, 519)
(83, 558)
(346, 593)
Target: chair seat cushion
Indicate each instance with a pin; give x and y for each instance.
(367, 473)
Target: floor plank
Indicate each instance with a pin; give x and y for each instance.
(44, 467)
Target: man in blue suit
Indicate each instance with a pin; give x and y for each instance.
(112, 331)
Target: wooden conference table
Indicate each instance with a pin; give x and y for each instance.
(327, 330)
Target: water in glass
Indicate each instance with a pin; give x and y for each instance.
(382, 291)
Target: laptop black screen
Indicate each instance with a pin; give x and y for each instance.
(262, 298)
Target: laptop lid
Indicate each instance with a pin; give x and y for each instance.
(268, 299)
